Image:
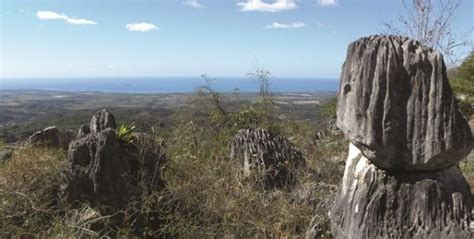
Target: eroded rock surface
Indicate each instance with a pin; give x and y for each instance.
(46, 137)
(107, 172)
(396, 105)
(83, 131)
(374, 203)
(407, 136)
(268, 156)
(101, 120)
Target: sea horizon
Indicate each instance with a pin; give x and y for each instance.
(166, 84)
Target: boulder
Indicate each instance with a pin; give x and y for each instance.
(101, 120)
(374, 203)
(99, 172)
(266, 155)
(108, 173)
(46, 137)
(396, 105)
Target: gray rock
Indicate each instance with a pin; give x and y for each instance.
(396, 105)
(83, 131)
(99, 172)
(108, 173)
(101, 120)
(65, 137)
(268, 156)
(46, 137)
(374, 203)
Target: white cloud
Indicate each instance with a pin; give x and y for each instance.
(327, 3)
(141, 27)
(49, 15)
(259, 5)
(277, 25)
(80, 21)
(192, 3)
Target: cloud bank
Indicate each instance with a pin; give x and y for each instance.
(293, 25)
(259, 5)
(50, 15)
(141, 27)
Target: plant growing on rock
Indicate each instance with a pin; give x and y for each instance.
(125, 132)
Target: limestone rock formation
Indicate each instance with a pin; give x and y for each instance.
(101, 120)
(374, 203)
(107, 172)
(46, 137)
(406, 135)
(396, 105)
(52, 137)
(65, 137)
(83, 131)
(268, 156)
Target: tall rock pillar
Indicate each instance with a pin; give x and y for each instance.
(406, 135)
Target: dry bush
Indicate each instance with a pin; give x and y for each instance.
(29, 185)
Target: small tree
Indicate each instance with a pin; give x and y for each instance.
(430, 22)
(212, 96)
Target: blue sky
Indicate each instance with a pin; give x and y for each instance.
(162, 38)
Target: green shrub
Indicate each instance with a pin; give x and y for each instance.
(124, 132)
(462, 83)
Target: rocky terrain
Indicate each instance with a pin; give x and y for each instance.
(386, 160)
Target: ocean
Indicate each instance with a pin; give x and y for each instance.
(166, 85)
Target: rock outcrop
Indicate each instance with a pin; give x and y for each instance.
(374, 203)
(407, 136)
(51, 137)
(83, 131)
(395, 104)
(46, 137)
(268, 156)
(101, 120)
(107, 172)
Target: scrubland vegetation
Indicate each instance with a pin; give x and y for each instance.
(204, 195)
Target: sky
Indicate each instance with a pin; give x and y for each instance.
(188, 38)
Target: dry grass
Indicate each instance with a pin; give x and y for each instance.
(204, 196)
(28, 190)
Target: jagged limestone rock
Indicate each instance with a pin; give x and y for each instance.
(396, 105)
(83, 131)
(101, 120)
(46, 137)
(374, 203)
(401, 178)
(108, 173)
(268, 156)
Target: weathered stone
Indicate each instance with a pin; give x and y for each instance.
(83, 131)
(46, 137)
(101, 120)
(99, 171)
(396, 105)
(108, 173)
(268, 156)
(374, 203)
(65, 138)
